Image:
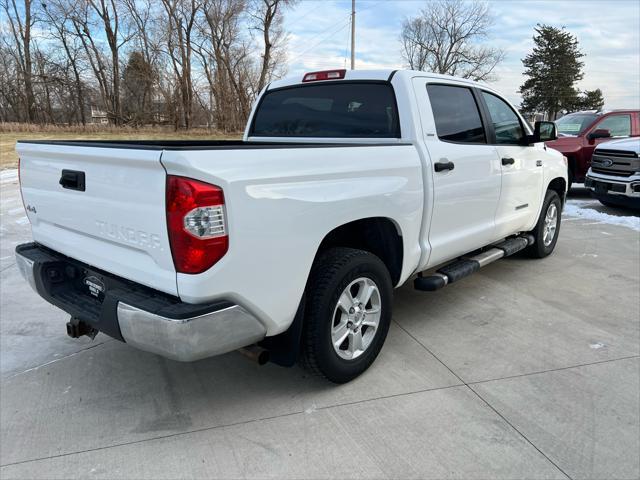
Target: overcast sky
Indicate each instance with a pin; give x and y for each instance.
(608, 32)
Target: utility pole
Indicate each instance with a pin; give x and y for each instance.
(353, 34)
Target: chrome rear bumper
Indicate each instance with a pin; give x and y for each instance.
(191, 338)
(144, 318)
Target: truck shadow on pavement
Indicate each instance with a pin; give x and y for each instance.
(580, 194)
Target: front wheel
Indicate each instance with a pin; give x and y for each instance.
(348, 313)
(547, 229)
(570, 178)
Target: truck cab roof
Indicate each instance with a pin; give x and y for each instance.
(370, 75)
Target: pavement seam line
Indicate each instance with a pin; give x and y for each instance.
(55, 360)
(7, 267)
(519, 432)
(161, 437)
(559, 369)
(228, 425)
(485, 402)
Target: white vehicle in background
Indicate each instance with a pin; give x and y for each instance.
(290, 242)
(614, 176)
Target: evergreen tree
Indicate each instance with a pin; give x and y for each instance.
(591, 100)
(138, 79)
(552, 68)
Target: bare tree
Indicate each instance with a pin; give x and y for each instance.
(11, 91)
(141, 19)
(222, 51)
(20, 24)
(267, 15)
(84, 28)
(181, 17)
(444, 38)
(57, 14)
(107, 12)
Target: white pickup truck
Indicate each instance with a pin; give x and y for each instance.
(290, 242)
(614, 175)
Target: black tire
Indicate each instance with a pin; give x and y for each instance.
(539, 249)
(331, 274)
(570, 178)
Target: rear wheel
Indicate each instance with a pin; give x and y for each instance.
(348, 313)
(548, 227)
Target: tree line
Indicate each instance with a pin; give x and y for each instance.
(203, 62)
(138, 62)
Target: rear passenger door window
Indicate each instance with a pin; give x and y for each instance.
(506, 124)
(618, 125)
(456, 114)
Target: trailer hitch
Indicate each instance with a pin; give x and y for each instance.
(76, 328)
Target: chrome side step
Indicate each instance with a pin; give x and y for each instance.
(466, 265)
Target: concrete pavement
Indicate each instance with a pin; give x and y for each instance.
(528, 369)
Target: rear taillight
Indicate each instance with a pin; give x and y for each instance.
(196, 223)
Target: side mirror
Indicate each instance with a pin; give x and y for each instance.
(544, 132)
(599, 133)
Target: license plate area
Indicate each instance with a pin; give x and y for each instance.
(65, 283)
(601, 187)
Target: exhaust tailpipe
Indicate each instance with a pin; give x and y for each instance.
(255, 353)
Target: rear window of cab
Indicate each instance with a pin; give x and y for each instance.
(329, 110)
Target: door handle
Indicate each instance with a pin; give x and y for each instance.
(508, 161)
(72, 180)
(442, 166)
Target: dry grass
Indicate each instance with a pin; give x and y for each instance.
(10, 133)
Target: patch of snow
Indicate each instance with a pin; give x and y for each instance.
(16, 211)
(9, 176)
(576, 208)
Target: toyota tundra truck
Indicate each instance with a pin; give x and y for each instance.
(288, 244)
(614, 176)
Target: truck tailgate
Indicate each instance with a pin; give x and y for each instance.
(117, 223)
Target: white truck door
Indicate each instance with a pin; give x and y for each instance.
(466, 169)
(522, 168)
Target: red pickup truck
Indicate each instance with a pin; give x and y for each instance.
(579, 133)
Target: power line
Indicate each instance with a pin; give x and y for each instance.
(299, 19)
(331, 33)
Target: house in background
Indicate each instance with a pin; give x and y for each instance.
(99, 116)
